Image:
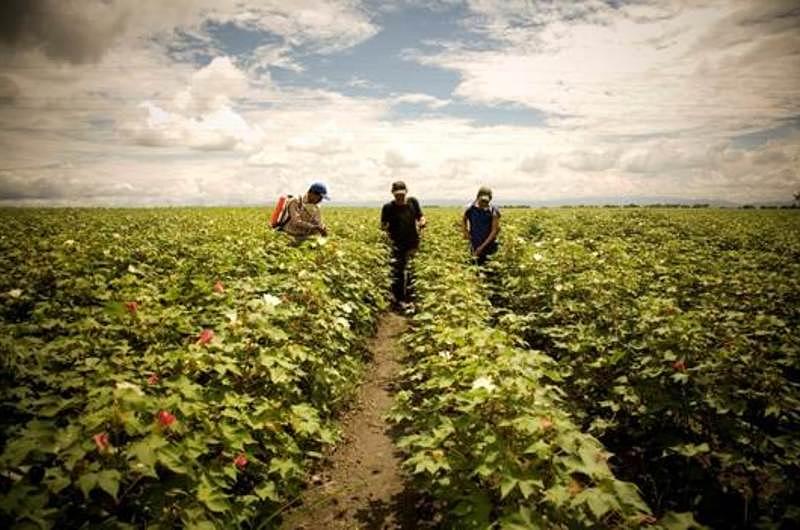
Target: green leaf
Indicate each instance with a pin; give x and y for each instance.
(87, 483)
(690, 450)
(285, 467)
(200, 525)
(267, 491)
(679, 521)
(56, 480)
(170, 458)
(108, 480)
(145, 454)
(558, 496)
(528, 487)
(598, 502)
(17, 450)
(507, 485)
(540, 448)
(212, 498)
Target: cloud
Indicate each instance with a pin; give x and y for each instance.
(9, 90)
(273, 55)
(636, 69)
(319, 144)
(582, 160)
(640, 98)
(66, 30)
(395, 159)
(421, 99)
(82, 31)
(537, 163)
(201, 116)
(213, 86)
(216, 130)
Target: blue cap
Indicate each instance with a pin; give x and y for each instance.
(320, 189)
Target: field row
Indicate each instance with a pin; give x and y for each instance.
(175, 368)
(485, 425)
(676, 337)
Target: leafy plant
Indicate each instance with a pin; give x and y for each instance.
(174, 368)
(674, 333)
(484, 423)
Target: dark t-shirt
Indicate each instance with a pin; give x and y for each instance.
(480, 223)
(402, 222)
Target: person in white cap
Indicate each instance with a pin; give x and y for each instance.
(481, 224)
(402, 219)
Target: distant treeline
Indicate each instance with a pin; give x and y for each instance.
(658, 205)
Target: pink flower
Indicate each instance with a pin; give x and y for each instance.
(240, 461)
(132, 307)
(679, 365)
(101, 441)
(218, 287)
(206, 336)
(165, 419)
(152, 380)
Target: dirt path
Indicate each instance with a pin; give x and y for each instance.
(362, 487)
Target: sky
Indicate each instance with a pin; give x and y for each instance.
(144, 102)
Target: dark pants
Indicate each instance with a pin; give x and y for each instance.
(490, 249)
(400, 274)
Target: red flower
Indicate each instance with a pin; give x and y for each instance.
(218, 287)
(240, 461)
(153, 379)
(679, 365)
(132, 307)
(165, 419)
(206, 336)
(101, 441)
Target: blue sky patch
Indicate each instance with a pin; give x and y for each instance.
(789, 127)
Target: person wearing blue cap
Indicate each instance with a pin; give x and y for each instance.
(305, 217)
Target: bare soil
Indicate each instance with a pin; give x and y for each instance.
(362, 487)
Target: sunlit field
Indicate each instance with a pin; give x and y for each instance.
(609, 367)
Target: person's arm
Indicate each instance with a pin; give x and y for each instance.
(492, 234)
(418, 216)
(465, 224)
(384, 219)
(321, 228)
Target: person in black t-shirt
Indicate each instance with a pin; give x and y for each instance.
(402, 218)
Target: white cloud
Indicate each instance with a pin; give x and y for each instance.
(421, 99)
(395, 159)
(635, 70)
(82, 32)
(583, 160)
(200, 116)
(537, 164)
(643, 100)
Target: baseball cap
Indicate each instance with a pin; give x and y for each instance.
(399, 187)
(484, 194)
(320, 189)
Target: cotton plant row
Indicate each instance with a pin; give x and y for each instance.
(674, 335)
(175, 370)
(483, 422)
